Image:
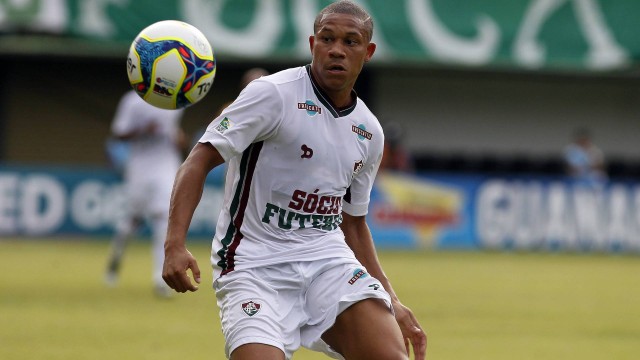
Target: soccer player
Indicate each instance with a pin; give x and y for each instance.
(155, 143)
(584, 161)
(293, 258)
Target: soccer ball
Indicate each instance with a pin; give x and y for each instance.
(171, 64)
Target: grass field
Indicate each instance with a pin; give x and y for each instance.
(474, 305)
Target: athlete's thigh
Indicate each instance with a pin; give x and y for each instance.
(367, 330)
(257, 351)
(260, 307)
(340, 284)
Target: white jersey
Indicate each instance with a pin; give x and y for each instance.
(154, 153)
(295, 163)
(153, 159)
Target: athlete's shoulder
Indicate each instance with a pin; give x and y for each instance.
(363, 118)
(363, 108)
(279, 85)
(362, 111)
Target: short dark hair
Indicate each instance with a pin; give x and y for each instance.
(349, 8)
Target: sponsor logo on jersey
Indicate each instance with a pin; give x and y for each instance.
(357, 274)
(286, 219)
(311, 108)
(375, 286)
(306, 210)
(312, 203)
(224, 125)
(250, 308)
(362, 132)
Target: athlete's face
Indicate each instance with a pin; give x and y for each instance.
(339, 48)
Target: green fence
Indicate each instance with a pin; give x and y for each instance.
(576, 35)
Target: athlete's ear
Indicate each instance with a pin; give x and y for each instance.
(371, 48)
(312, 39)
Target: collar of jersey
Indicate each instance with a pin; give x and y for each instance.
(326, 101)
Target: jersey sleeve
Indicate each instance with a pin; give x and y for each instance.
(254, 116)
(356, 201)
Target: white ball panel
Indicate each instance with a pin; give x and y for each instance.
(167, 77)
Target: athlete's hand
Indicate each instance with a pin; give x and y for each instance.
(412, 333)
(177, 260)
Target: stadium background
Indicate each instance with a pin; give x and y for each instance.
(488, 93)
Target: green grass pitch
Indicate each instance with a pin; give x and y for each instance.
(473, 305)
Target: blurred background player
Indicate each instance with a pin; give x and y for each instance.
(584, 161)
(155, 147)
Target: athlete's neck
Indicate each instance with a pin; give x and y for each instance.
(339, 100)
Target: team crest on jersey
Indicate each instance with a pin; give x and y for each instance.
(362, 132)
(357, 166)
(311, 108)
(250, 308)
(224, 125)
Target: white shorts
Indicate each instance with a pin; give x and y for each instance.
(289, 305)
(148, 197)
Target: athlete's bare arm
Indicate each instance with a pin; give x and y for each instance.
(187, 191)
(358, 237)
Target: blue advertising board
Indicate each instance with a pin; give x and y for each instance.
(425, 211)
(42, 201)
(447, 211)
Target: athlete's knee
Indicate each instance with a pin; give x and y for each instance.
(257, 351)
(388, 347)
(367, 330)
(389, 354)
(377, 351)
